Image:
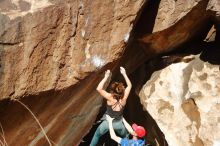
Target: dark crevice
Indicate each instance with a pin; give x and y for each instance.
(8, 43)
(146, 20)
(211, 50)
(143, 24)
(134, 112)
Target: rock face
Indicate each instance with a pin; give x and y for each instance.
(52, 54)
(176, 22)
(54, 47)
(214, 6)
(184, 100)
(171, 11)
(183, 97)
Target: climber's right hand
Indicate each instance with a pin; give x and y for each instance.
(107, 73)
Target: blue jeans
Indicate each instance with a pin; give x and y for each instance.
(104, 128)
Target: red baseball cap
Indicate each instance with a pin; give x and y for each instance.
(139, 130)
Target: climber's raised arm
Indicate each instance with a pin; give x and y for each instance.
(100, 87)
(128, 82)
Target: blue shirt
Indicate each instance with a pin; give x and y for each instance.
(131, 142)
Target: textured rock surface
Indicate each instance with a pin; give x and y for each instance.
(176, 22)
(52, 54)
(214, 5)
(184, 100)
(171, 11)
(56, 46)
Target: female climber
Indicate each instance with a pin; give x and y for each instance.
(137, 131)
(116, 100)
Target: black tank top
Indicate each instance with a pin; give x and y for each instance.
(115, 114)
